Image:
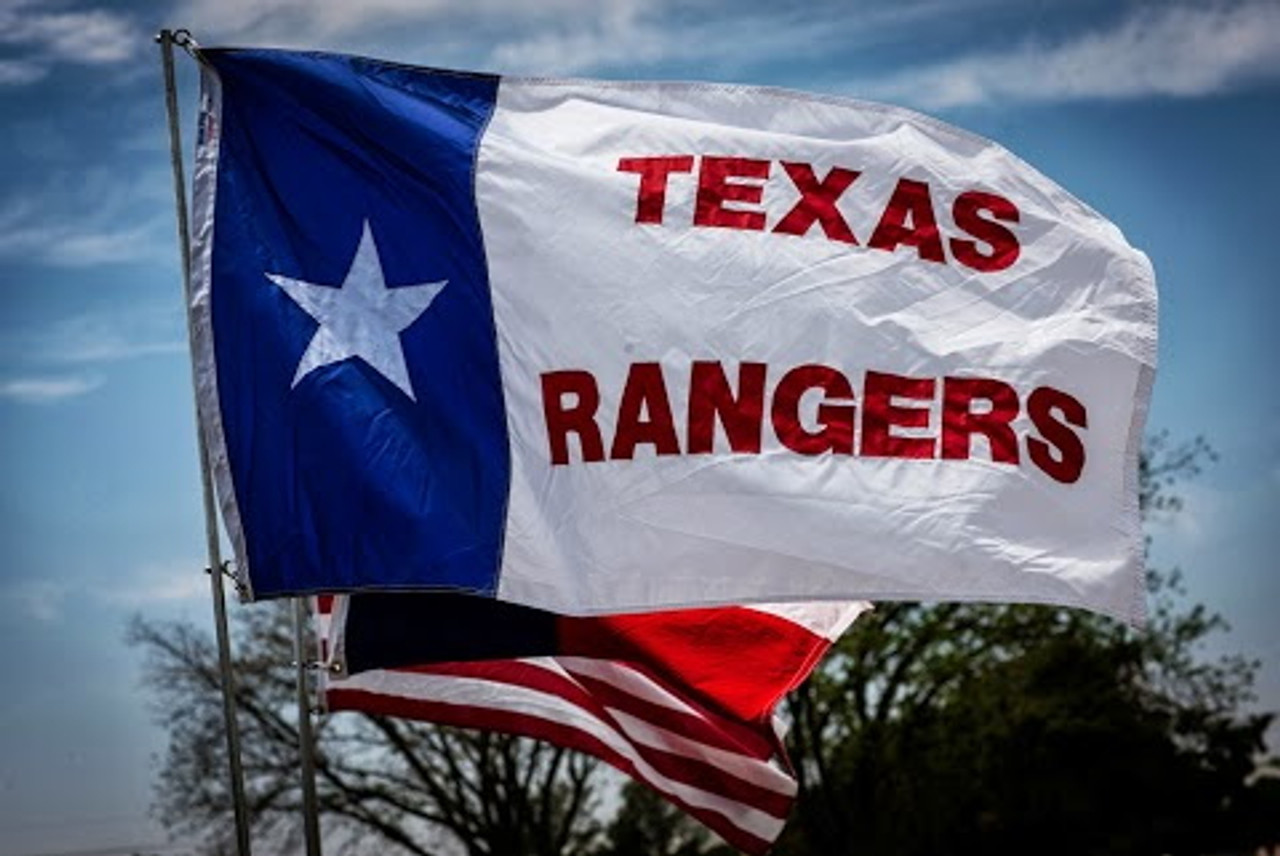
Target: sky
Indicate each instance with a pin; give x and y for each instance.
(1161, 115)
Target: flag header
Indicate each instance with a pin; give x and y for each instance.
(598, 347)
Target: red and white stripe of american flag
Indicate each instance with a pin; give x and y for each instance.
(727, 773)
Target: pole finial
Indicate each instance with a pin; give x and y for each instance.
(180, 37)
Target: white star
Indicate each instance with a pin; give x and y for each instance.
(363, 318)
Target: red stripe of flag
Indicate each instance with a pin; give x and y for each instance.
(682, 701)
(486, 719)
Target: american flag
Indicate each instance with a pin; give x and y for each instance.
(682, 701)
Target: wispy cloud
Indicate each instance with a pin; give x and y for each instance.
(567, 36)
(75, 245)
(1221, 524)
(48, 389)
(96, 338)
(151, 584)
(616, 30)
(636, 34)
(68, 359)
(273, 19)
(86, 217)
(291, 21)
(432, 31)
(1170, 51)
(160, 582)
(1201, 518)
(45, 36)
(41, 600)
(16, 72)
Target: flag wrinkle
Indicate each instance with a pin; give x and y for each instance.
(561, 723)
(646, 732)
(645, 719)
(620, 690)
(595, 686)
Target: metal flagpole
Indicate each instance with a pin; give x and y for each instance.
(167, 39)
(306, 739)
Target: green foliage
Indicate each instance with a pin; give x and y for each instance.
(648, 825)
(965, 729)
(930, 730)
(956, 729)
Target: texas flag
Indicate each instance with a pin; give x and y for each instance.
(599, 347)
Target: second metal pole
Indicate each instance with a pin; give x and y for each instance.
(306, 739)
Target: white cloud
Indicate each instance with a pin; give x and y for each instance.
(70, 244)
(149, 585)
(111, 346)
(1161, 51)
(91, 37)
(1204, 512)
(163, 582)
(294, 23)
(38, 357)
(48, 390)
(16, 72)
(101, 337)
(276, 18)
(38, 599)
(86, 217)
(1223, 535)
(562, 36)
(46, 37)
(635, 33)
(616, 31)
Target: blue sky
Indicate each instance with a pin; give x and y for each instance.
(1161, 115)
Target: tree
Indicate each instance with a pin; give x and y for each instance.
(981, 729)
(648, 825)
(424, 788)
(929, 729)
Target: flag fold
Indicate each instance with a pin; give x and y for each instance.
(681, 701)
(608, 347)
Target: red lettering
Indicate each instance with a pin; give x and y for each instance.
(710, 399)
(818, 202)
(911, 201)
(730, 193)
(1061, 453)
(715, 189)
(651, 198)
(578, 418)
(960, 422)
(644, 414)
(836, 433)
(880, 415)
(967, 213)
